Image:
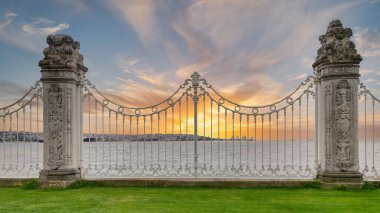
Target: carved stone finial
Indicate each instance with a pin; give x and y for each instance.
(336, 46)
(63, 52)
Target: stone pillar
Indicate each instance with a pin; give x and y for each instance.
(337, 72)
(62, 72)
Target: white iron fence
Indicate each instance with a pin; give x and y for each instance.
(196, 132)
(21, 127)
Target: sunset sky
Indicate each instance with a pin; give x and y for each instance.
(252, 51)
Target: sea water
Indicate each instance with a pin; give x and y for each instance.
(28, 156)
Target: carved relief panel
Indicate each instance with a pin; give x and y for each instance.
(339, 111)
(343, 126)
(59, 125)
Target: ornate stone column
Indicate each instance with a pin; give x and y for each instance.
(62, 71)
(337, 72)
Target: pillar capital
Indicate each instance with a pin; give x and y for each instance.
(62, 60)
(337, 56)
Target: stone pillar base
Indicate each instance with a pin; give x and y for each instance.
(350, 180)
(58, 178)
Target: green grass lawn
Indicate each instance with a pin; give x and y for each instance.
(138, 199)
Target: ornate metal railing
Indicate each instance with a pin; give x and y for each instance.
(197, 132)
(369, 147)
(21, 134)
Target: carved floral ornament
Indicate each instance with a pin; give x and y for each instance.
(336, 46)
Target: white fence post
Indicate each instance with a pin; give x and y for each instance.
(62, 72)
(337, 72)
(195, 83)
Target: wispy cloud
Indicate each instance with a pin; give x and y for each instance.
(9, 16)
(139, 70)
(298, 77)
(41, 26)
(371, 81)
(10, 92)
(138, 83)
(260, 89)
(229, 41)
(241, 39)
(28, 35)
(140, 15)
(75, 5)
(367, 41)
(199, 66)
